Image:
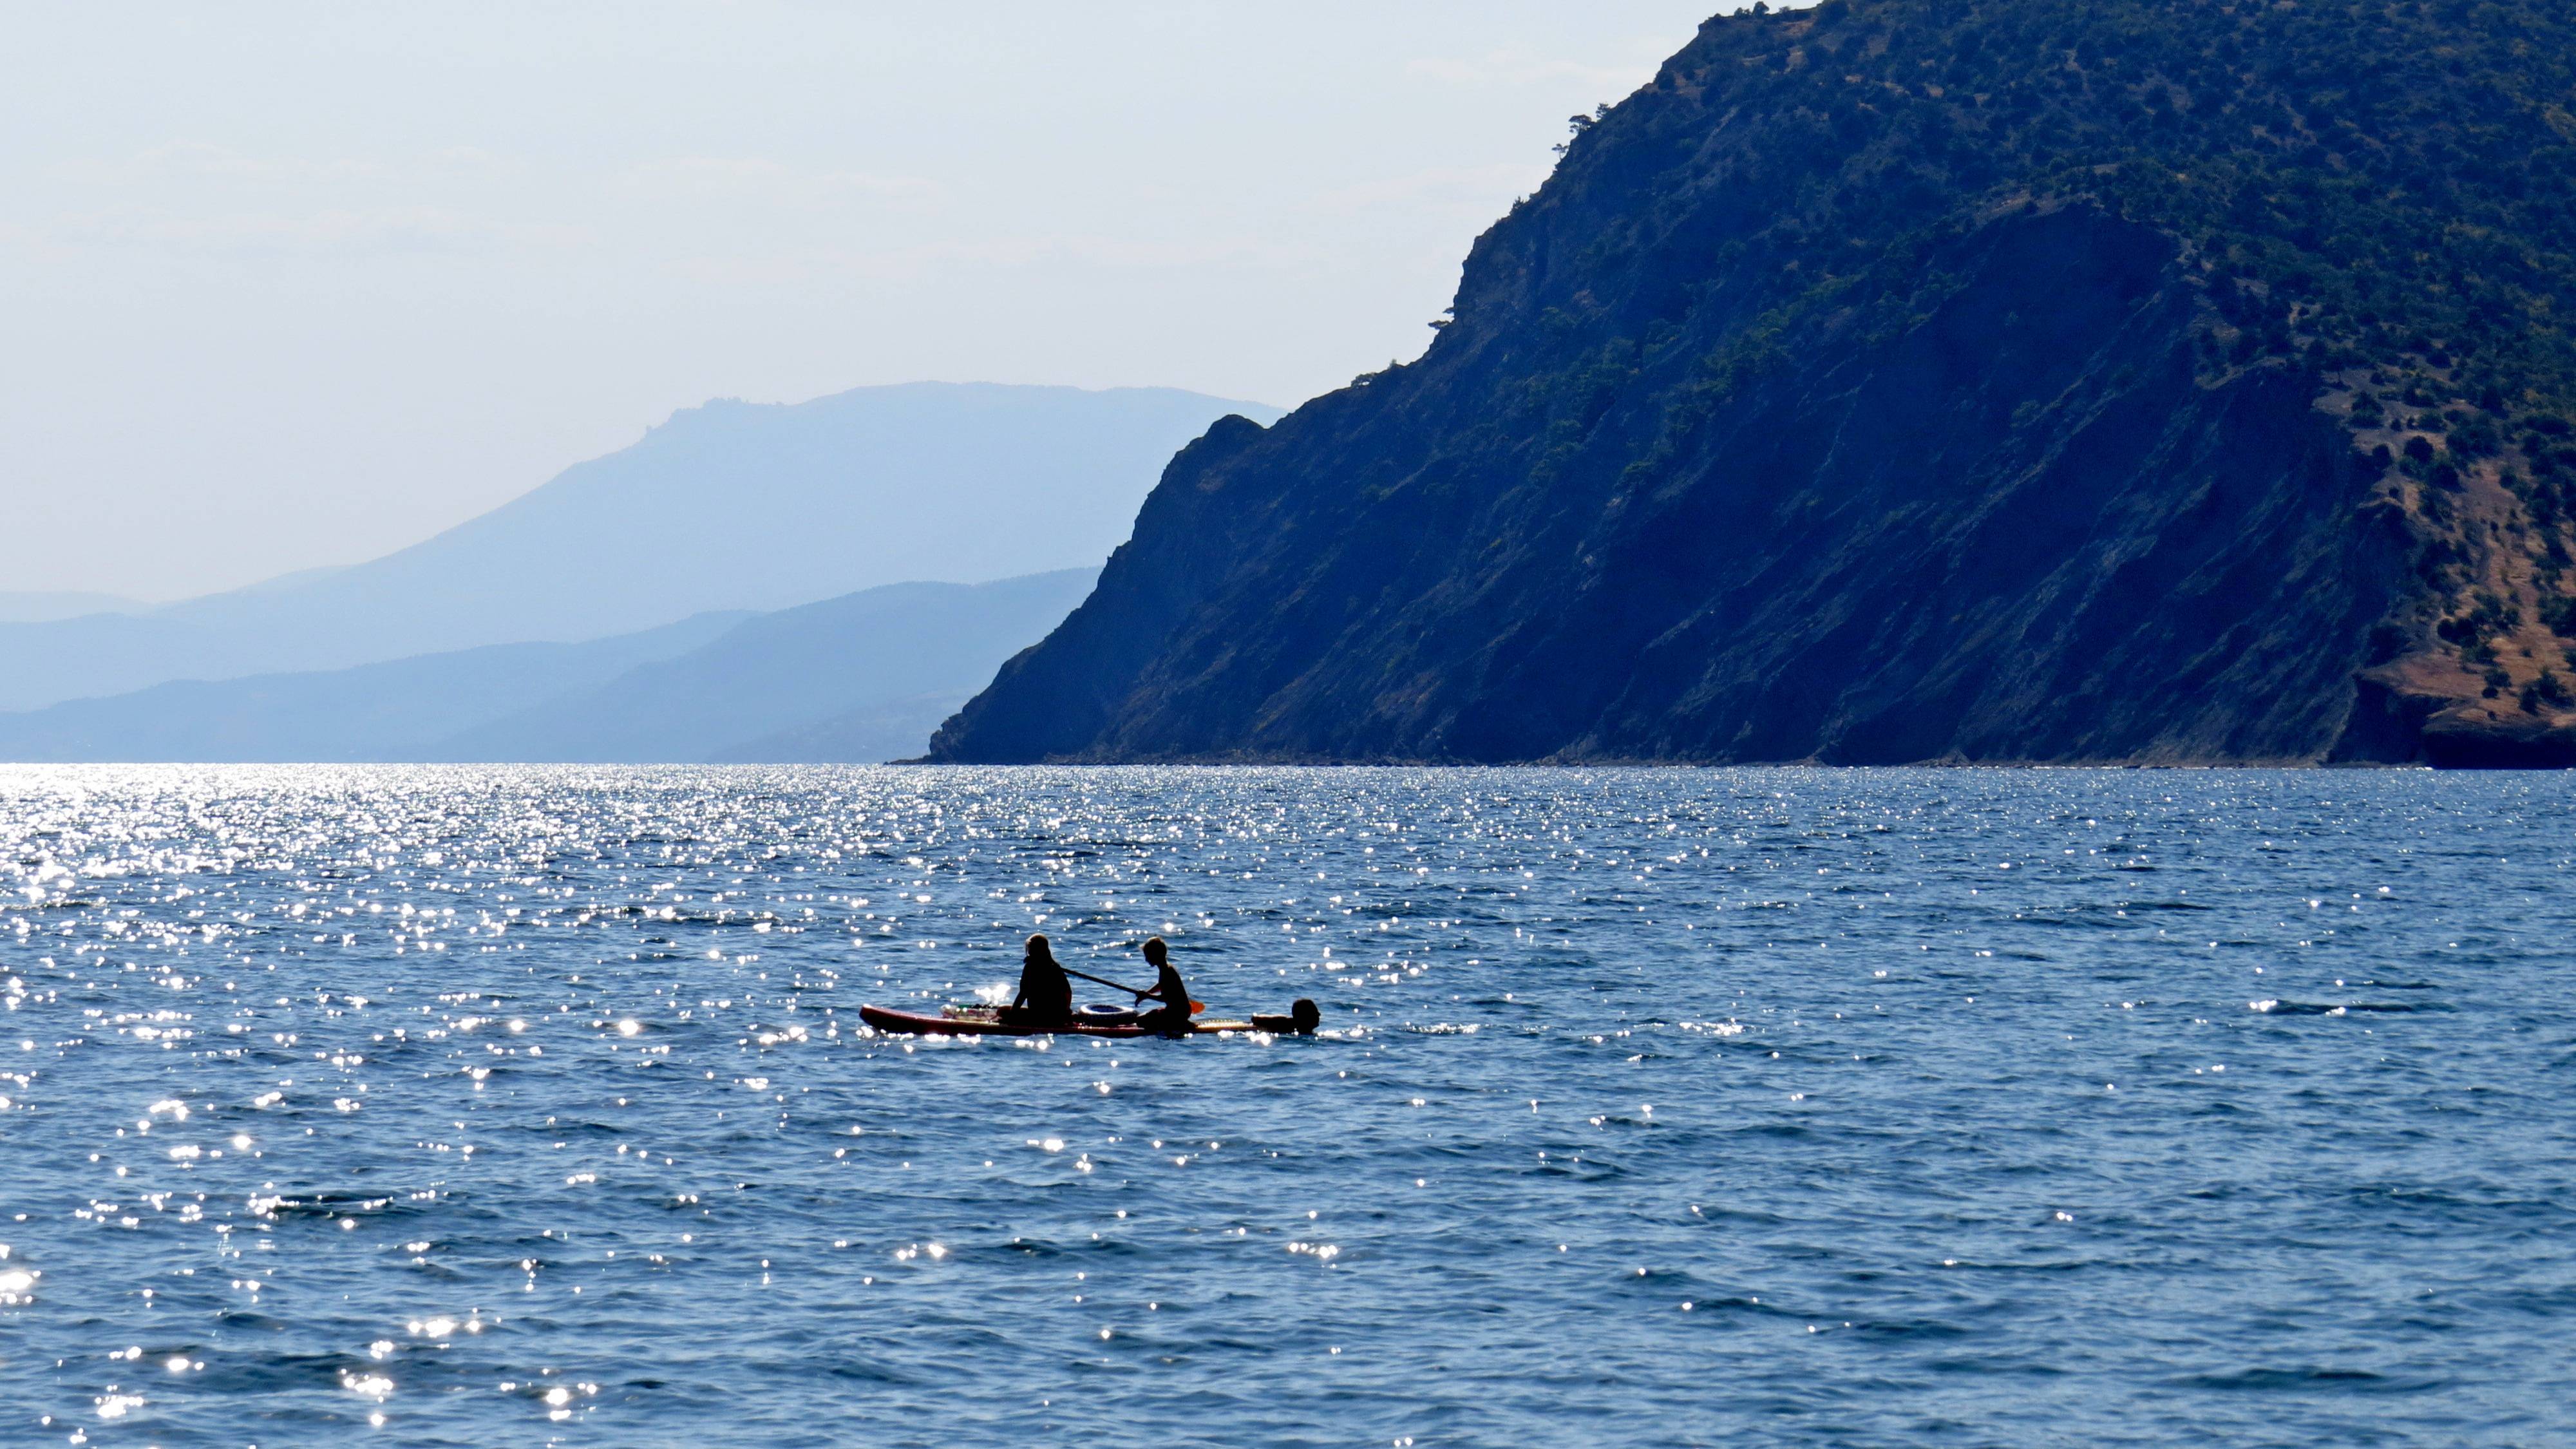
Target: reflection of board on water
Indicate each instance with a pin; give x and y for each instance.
(1301, 1019)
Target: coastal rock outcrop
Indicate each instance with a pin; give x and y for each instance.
(1911, 380)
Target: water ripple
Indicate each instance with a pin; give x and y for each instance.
(475, 1105)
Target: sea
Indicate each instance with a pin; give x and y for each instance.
(502, 1106)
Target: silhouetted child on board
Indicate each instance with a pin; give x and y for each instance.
(1046, 993)
(1172, 1016)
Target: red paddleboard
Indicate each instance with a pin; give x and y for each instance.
(974, 1021)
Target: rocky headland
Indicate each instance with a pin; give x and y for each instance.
(2151, 381)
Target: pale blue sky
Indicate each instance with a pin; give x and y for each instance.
(293, 284)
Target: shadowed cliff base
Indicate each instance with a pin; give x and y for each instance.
(1902, 382)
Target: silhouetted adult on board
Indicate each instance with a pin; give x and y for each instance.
(1172, 1016)
(1046, 993)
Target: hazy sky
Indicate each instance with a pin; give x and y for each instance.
(293, 284)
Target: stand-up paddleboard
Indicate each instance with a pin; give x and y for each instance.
(987, 1021)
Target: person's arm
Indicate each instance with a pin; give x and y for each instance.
(1021, 1001)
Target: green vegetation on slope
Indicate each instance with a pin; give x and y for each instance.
(2359, 182)
(2380, 194)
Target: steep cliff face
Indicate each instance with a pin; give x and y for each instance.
(1917, 381)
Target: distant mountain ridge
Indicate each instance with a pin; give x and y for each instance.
(43, 608)
(730, 506)
(397, 710)
(1926, 380)
(863, 678)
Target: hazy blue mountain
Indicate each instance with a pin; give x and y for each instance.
(728, 506)
(392, 711)
(40, 608)
(865, 677)
(896, 730)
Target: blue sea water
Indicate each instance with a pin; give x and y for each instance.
(531, 1106)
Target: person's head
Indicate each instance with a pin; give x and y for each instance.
(1038, 949)
(1307, 1017)
(1156, 953)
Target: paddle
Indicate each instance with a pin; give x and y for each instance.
(1195, 1006)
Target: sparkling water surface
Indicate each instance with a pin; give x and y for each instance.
(531, 1106)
